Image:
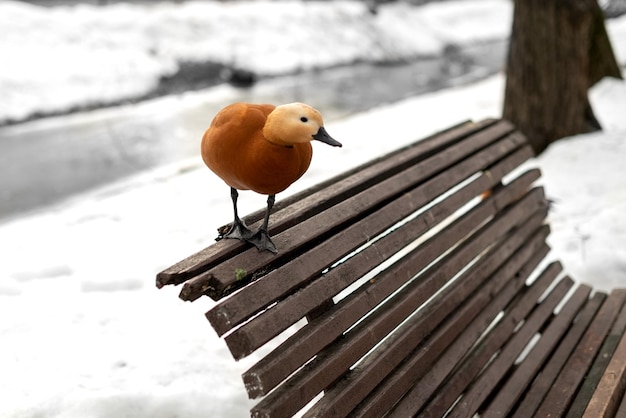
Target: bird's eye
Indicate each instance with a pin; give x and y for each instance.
(303, 119)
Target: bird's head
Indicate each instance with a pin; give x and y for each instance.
(296, 123)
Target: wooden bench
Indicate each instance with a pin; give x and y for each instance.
(418, 285)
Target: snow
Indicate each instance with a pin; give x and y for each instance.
(608, 100)
(56, 59)
(585, 177)
(616, 28)
(84, 332)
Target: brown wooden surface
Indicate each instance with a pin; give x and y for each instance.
(466, 324)
(302, 346)
(349, 393)
(507, 281)
(337, 192)
(412, 274)
(621, 412)
(222, 280)
(490, 344)
(257, 332)
(280, 363)
(544, 381)
(318, 198)
(338, 358)
(609, 392)
(302, 269)
(497, 369)
(565, 386)
(592, 379)
(508, 394)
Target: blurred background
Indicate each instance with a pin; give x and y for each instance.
(102, 108)
(161, 70)
(93, 91)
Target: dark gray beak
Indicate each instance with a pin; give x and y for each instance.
(323, 136)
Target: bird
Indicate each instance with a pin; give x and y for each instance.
(263, 148)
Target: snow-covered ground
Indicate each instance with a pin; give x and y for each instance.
(84, 332)
(53, 60)
(60, 58)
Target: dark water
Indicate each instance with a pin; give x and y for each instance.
(47, 160)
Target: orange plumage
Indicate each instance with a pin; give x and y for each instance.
(235, 149)
(263, 148)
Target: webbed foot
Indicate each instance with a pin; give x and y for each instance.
(238, 230)
(262, 241)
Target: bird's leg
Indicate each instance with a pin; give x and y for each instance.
(261, 238)
(238, 230)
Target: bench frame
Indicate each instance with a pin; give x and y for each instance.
(417, 283)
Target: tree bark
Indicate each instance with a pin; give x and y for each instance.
(558, 49)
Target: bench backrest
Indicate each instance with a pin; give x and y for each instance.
(388, 274)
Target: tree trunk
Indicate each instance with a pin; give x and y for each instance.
(558, 49)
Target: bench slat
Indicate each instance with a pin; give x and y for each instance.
(610, 390)
(222, 280)
(330, 364)
(320, 197)
(621, 412)
(597, 371)
(276, 366)
(415, 284)
(493, 341)
(290, 310)
(368, 174)
(503, 285)
(497, 369)
(301, 270)
(537, 392)
(280, 363)
(379, 168)
(457, 301)
(509, 394)
(297, 305)
(564, 389)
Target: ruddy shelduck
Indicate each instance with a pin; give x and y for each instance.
(264, 148)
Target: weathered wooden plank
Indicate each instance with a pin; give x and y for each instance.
(592, 379)
(509, 393)
(495, 372)
(252, 299)
(491, 343)
(306, 343)
(301, 270)
(437, 343)
(621, 412)
(610, 392)
(264, 327)
(222, 279)
(562, 392)
(610, 389)
(352, 391)
(422, 381)
(293, 209)
(279, 364)
(446, 342)
(377, 168)
(540, 386)
(331, 363)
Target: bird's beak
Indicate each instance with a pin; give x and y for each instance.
(323, 136)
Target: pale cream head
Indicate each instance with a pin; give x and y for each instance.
(292, 123)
